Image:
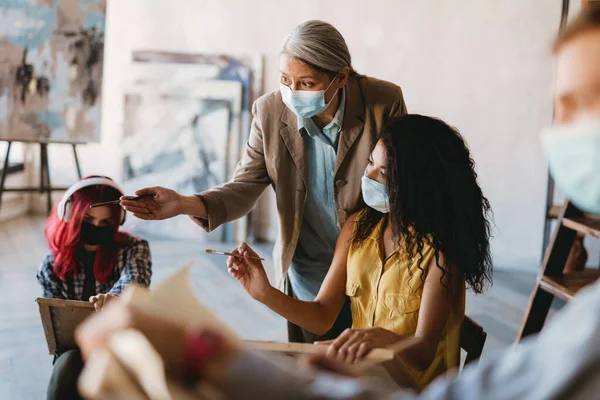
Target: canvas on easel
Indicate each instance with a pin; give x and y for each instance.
(51, 68)
(51, 77)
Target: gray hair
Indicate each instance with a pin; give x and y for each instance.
(319, 45)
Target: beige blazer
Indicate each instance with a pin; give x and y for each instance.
(274, 155)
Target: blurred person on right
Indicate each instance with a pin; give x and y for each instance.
(562, 362)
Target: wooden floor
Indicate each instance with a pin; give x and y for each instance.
(25, 365)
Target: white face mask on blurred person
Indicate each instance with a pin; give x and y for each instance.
(573, 154)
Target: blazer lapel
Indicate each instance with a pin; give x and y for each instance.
(353, 123)
(294, 141)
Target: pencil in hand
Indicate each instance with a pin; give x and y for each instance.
(224, 253)
(107, 203)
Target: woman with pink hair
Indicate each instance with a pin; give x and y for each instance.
(90, 259)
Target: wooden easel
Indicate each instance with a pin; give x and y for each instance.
(551, 281)
(45, 186)
(551, 211)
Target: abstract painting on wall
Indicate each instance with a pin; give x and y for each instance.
(51, 56)
(179, 137)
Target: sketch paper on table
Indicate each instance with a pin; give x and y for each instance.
(179, 138)
(51, 76)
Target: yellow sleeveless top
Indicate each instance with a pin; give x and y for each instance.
(387, 293)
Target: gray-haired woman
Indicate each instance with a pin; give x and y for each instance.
(311, 142)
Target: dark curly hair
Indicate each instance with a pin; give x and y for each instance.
(434, 198)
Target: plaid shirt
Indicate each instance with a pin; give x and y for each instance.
(133, 265)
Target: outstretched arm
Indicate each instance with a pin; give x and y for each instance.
(316, 316)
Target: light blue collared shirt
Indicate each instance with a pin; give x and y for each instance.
(319, 232)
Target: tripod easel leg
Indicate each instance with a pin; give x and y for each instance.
(42, 170)
(48, 184)
(76, 161)
(45, 186)
(45, 175)
(4, 171)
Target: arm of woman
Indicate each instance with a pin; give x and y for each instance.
(52, 286)
(438, 292)
(137, 268)
(316, 316)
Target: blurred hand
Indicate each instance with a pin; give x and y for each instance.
(248, 272)
(166, 336)
(101, 300)
(354, 344)
(164, 204)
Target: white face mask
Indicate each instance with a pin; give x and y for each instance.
(573, 154)
(305, 103)
(375, 195)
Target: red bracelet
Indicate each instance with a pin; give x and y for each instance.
(201, 346)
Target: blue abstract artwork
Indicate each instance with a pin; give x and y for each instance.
(51, 57)
(178, 136)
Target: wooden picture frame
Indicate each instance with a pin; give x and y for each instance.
(59, 320)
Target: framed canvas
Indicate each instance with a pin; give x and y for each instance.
(51, 53)
(59, 320)
(247, 69)
(185, 68)
(179, 136)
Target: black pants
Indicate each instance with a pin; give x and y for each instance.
(66, 371)
(297, 334)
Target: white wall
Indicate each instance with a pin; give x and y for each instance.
(481, 65)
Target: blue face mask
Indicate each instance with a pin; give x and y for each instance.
(573, 154)
(305, 103)
(375, 194)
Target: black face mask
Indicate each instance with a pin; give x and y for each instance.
(96, 235)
